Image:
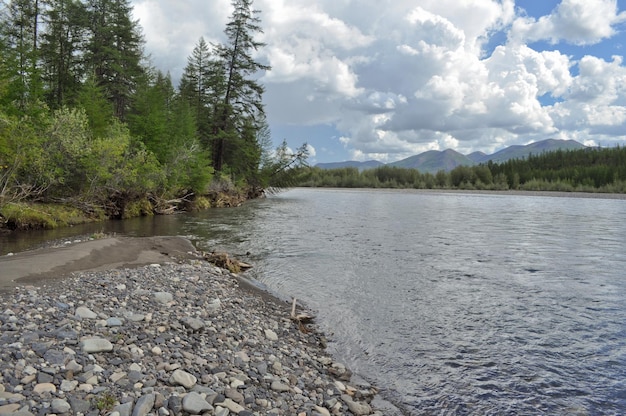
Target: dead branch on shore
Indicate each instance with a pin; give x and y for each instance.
(224, 261)
(170, 206)
(301, 319)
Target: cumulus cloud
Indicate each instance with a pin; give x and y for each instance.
(581, 22)
(395, 79)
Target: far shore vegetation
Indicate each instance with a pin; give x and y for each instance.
(583, 170)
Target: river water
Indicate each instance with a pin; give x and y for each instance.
(452, 303)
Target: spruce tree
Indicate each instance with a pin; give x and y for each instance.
(115, 51)
(201, 86)
(20, 32)
(62, 46)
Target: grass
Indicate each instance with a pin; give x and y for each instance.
(26, 216)
(105, 402)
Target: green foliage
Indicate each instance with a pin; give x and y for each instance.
(284, 168)
(98, 109)
(241, 107)
(62, 37)
(105, 402)
(114, 51)
(23, 216)
(82, 121)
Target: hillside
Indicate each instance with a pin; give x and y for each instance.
(370, 164)
(520, 152)
(433, 161)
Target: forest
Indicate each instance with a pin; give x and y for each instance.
(89, 129)
(585, 170)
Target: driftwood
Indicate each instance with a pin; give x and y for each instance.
(224, 261)
(301, 319)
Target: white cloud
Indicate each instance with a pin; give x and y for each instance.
(596, 100)
(580, 22)
(311, 150)
(396, 78)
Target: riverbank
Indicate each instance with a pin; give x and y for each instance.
(22, 216)
(170, 338)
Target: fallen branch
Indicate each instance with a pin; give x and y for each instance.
(224, 261)
(301, 318)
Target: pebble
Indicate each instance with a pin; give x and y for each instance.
(194, 403)
(178, 339)
(271, 335)
(183, 378)
(60, 406)
(96, 345)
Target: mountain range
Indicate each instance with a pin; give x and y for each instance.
(433, 161)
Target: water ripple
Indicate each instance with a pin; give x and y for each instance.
(452, 304)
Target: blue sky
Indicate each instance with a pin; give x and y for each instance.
(387, 79)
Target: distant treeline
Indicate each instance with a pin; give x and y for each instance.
(584, 170)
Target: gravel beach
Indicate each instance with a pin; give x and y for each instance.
(176, 338)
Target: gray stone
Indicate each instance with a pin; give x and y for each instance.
(262, 368)
(96, 345)
(124, 409)
(321, 410)
(221, 411)
(232, 406)
(42, 388)
(214, 306)
(136, 317)
(194, 324)
(235, 395)
(114, 322)
(194, 403)
(163, 297)
(175, 404)
(182, 378)
(83, 312)
(279, 387)
(44, 378)
(69, 385)
(73, 366)
(60, 406)
(357, 408)
(54, 357)
(144, 405)
(79, 405)
(271, 335)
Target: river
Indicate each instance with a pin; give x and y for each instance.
(453, 303)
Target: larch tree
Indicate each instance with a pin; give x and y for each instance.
(241, 107)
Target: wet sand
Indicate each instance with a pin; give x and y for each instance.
(95, 255)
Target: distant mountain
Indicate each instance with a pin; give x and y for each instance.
(370, 164)
(536, 148)
(433, 161)
(477, 156)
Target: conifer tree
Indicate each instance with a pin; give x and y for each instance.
(201, 86)
(115, 51)
(20, 33)
(241, 106)
(62, 46)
